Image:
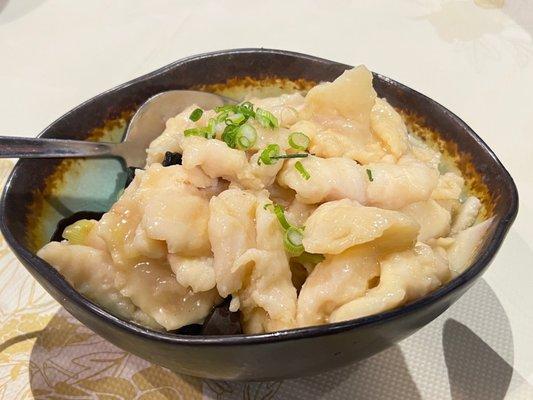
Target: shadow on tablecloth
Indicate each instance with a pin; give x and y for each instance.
(477, 340)
(475, 370)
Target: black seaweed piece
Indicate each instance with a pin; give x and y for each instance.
(171, 159)
(130, 175)
(62, 224)
(221, 321)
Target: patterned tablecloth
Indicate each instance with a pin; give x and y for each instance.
(477, 61)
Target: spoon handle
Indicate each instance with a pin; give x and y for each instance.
(22, 147)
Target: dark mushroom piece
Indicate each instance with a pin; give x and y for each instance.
(171, 159)
(221, 321)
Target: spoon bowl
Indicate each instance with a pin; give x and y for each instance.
(150, 119)
(146, 124)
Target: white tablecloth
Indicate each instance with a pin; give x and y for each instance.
(478, 62)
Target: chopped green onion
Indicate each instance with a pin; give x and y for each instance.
(211, 128)
(369, 173)
(235, 119)
(196, 115)
(266, 119)
(293, 240)
(271, 154)
(295, 155)
(195, 132)
(221, 117)
(247, 109)
(300, 168)
(280, 215)
(226, 109)
(292, 236)
(245, 137)
(247, 105)
(299, 141)
(311, 258)
(268, 154)
(229, 135)
(206, 132)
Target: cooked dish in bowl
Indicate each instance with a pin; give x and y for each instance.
(300, 210)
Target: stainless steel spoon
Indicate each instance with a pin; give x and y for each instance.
(147, 123)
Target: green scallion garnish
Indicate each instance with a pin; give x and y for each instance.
(245, 137)
(235, 119)
(226, 108)
(369, 173)
(301, 169)
(195, 132)
(211, 128)
(229, 135)
(293, 240)
(266, 119)
(239, 134)
(247, 109)
(295, 155)
(196, 114)
(268, 154)
(280, 215)
(299, 141)
(293, 236)
(221, 117)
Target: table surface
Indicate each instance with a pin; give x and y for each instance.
(476, 61)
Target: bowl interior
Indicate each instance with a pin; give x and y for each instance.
(41, 192)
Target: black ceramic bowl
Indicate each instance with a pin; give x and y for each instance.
(40, 192)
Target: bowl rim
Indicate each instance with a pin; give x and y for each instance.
(48, 273)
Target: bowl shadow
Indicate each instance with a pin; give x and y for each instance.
(477, 339)
(68, 359)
